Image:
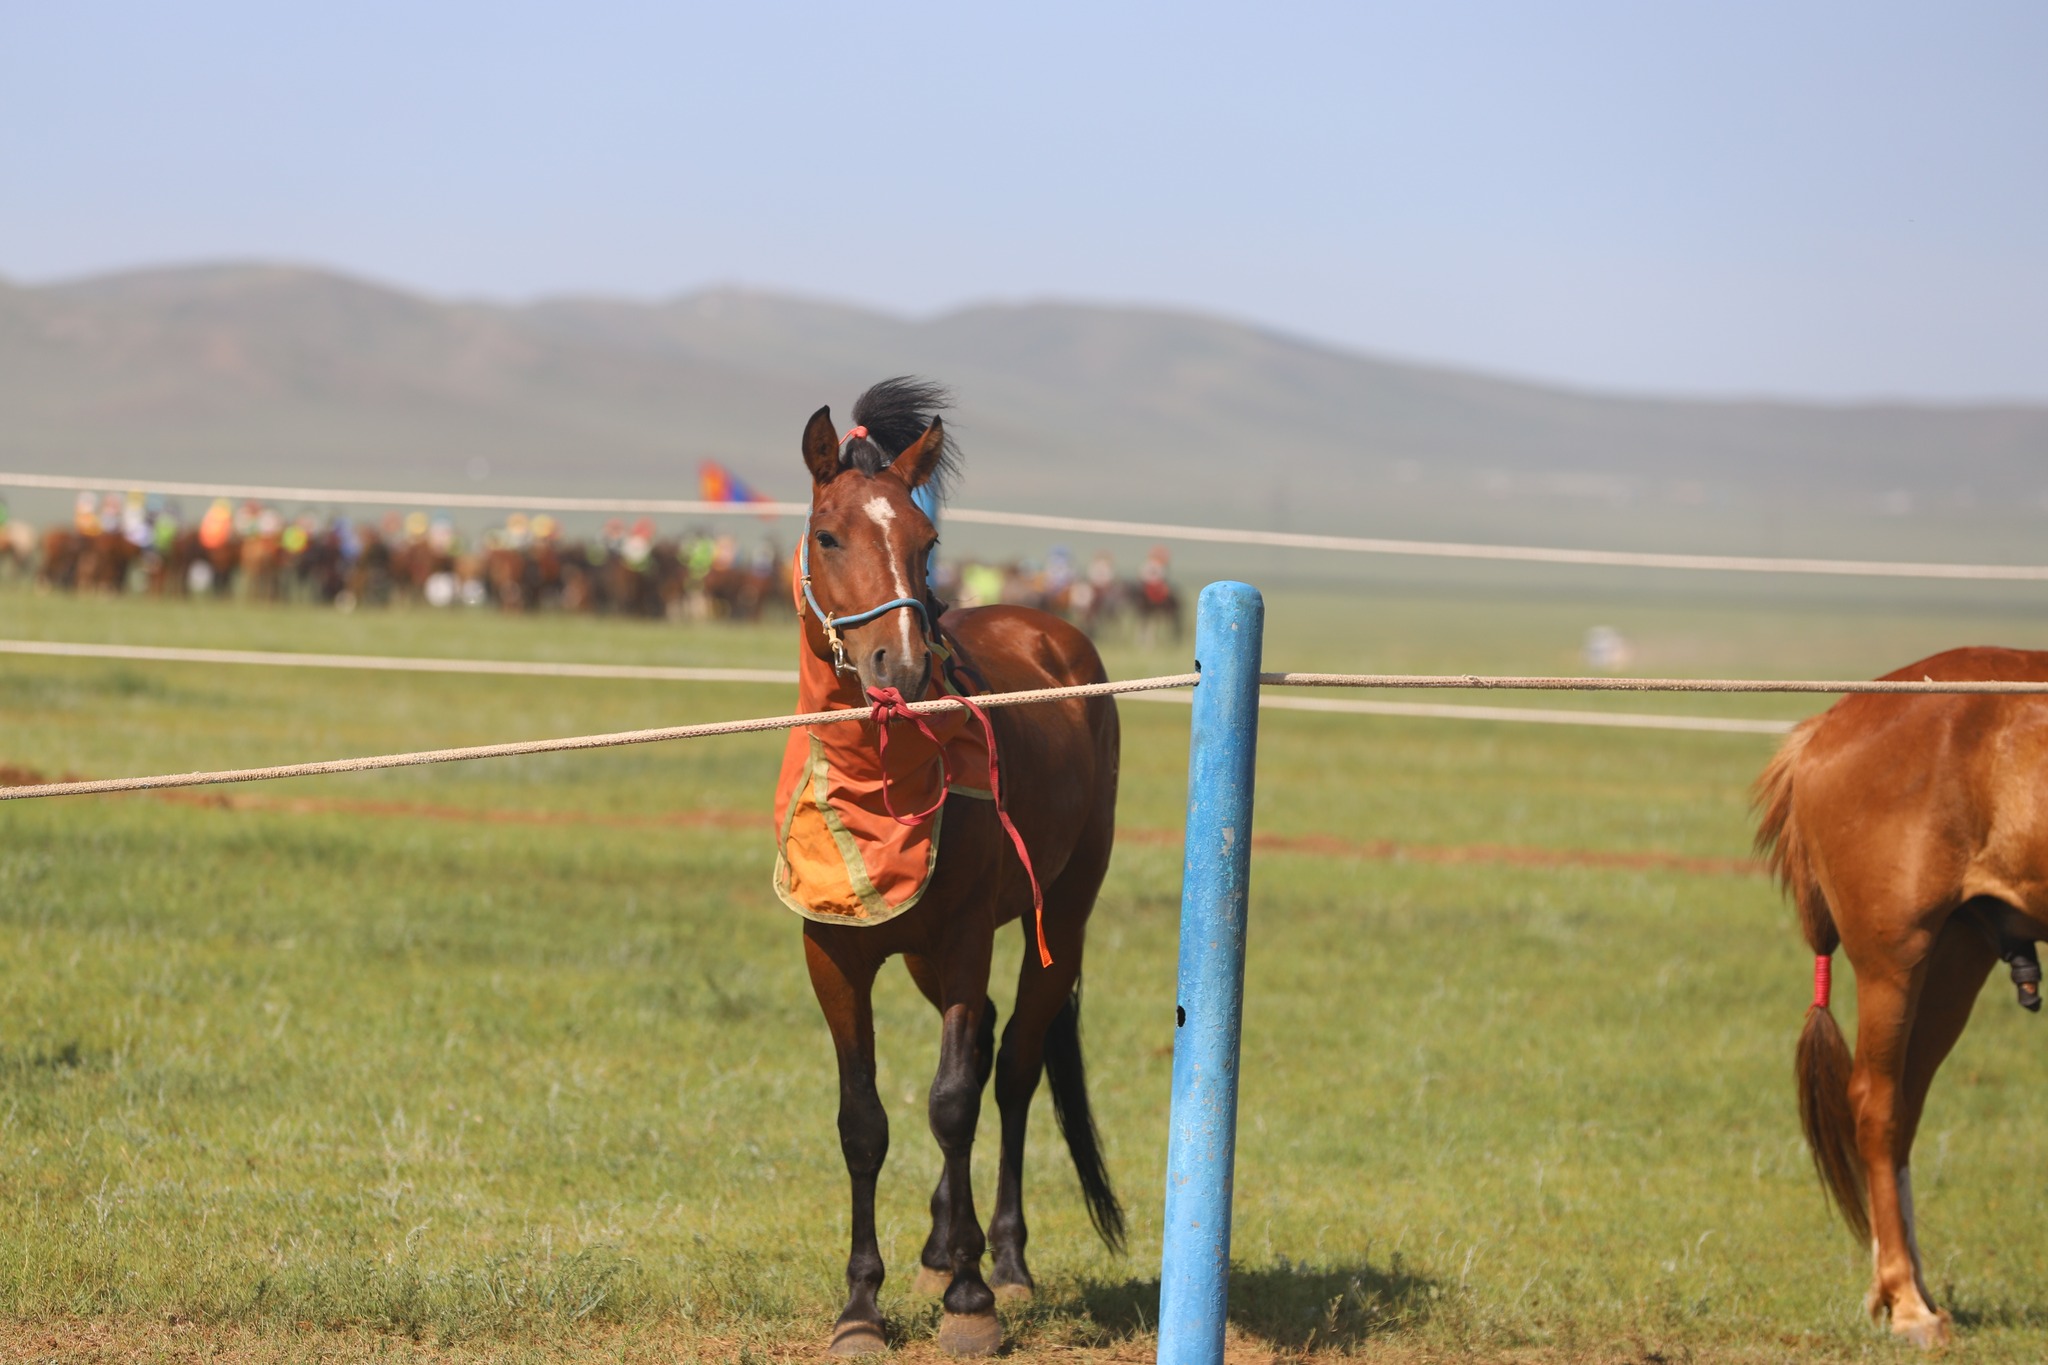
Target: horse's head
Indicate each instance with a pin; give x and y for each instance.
(865, 550)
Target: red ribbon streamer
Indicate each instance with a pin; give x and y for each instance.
(890, 706)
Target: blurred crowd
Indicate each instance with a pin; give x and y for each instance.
(252, 551)
(258, 553)
(1095, 597)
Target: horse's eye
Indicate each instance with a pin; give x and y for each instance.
(827, 541)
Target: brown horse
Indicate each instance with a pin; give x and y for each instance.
(1910, 831)
(868, 544)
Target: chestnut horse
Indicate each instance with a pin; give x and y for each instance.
(867, 545)
(1910, 831)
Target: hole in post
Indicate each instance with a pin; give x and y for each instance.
(1180, 1016)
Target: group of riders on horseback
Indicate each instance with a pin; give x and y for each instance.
(141, 543)
(138, 543)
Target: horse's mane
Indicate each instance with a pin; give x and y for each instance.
(896, 412)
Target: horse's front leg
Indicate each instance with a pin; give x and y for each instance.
(969, 1326)
(843, 980)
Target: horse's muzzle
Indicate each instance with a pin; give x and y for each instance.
(891, 666)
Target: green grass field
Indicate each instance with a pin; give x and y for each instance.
(518, 1060)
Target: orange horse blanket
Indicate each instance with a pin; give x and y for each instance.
(840, 856)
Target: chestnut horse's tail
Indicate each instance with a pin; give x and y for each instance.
(1821, 1064)
(1068, 1079)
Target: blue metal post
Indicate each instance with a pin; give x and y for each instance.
(1202, 1132)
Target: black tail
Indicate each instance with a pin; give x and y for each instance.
(1068, 1076)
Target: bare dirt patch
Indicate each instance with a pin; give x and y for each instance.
(12, 775)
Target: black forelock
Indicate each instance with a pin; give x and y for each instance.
(896, 412)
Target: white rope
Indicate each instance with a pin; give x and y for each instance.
(788, 677)
(1616, 720)
(1518, 684)
(1144, 530)
(549, 746)
(1134, 685)
(1526, 554)
(398, 663)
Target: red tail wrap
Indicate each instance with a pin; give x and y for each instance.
(1823, 977)
(889, 706)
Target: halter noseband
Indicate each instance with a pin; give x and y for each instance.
(834, 624)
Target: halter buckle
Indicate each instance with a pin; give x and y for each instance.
(839, 662)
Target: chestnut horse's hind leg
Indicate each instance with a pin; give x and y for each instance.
(843, 980)
(1955, 974)
(969, 1326)
(1908, 1017)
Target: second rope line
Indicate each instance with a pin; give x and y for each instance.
(109, 786)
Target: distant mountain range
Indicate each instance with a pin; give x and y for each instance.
(292, 375)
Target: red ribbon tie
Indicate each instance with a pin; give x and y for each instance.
(890, 706)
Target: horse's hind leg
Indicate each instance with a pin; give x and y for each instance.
(843, 980)
(1955, 973)
(1041, 993)
(934, 1265)
(969, 1326)
(1889, 984)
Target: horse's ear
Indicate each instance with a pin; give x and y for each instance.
(821, 447)
(921, 459)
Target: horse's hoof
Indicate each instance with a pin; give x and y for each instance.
(1927, 1333)
(857, 1339)
(970, 1334)
(1013, 1293)
(931, 1282)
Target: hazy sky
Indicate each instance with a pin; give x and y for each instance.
(1812, 199)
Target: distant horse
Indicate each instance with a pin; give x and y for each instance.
(95, 562)
(868, 544)
(511, 577)
(261, 566)
(1910, 830)
(57, 564)
(18, 546)
(221, 559)
(1156, 604)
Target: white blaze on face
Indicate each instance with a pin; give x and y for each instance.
(884, 517)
